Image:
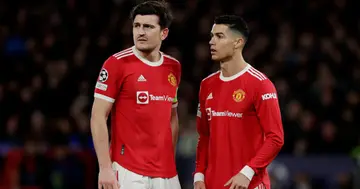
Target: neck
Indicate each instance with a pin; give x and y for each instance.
(152, 56)
(233, 65)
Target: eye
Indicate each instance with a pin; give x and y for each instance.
(220, 36)
(148, 26)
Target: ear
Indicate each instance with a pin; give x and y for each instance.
(164, 33)
(239, 42)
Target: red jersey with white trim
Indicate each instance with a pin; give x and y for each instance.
(239, 125)
(143, 94)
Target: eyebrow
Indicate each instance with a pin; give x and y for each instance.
(146, 24)
(217, 33)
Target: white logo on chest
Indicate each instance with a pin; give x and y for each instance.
(143, 97)
(213, 113)
(161, 98)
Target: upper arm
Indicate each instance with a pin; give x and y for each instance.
(178, 79)
(107, 88)
(202, 122)
(267, 106)
(109, 80)
(174, 114)
(101, 108)
(175, 102)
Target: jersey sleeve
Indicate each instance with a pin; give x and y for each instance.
(109, 80)
(268, 113)
(203, 141)
(175, 102)
(178, 79)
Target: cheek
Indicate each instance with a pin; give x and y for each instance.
(224, 47)
(227, 48)
(153, 36)
(135, 34)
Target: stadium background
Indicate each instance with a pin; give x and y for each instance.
(52, 51)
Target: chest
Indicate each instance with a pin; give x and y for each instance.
(147, 84)
(230, 97)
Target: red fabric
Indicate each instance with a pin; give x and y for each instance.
(239, 124)
(143, 93)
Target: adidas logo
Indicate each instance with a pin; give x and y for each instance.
(209, 97)
(141, 78)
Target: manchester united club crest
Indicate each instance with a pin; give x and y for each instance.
(238, 95)
(172, 79)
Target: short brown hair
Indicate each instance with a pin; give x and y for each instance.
(152, 7)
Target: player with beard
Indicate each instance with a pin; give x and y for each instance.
(138, 86)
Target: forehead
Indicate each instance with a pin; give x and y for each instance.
(146, 19)
(219, 28)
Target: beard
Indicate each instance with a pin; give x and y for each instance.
(145, 48)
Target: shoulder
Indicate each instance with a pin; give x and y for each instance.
(208, 82)
(117, 61)
(259, 80)
(173, 62)
(170, 59)
(256, 75)
(123, 54)
(210, 78)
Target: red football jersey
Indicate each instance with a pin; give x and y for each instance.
(239, 126)
(143, 94)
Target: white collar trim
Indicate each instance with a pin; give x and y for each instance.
(223, 78)
(144, 60)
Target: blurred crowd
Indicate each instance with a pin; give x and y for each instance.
(51, 53)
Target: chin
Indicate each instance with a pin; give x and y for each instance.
(215, 58)
(143, 47)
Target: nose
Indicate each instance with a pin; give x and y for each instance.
(211, 42)
(141, 31)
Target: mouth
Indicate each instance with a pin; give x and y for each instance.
(212, 51)
(142, 39)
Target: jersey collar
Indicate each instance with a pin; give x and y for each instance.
(223, 78)
(144, 60)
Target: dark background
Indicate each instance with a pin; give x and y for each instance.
(51, 53)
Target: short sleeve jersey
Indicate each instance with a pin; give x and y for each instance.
(143, 94)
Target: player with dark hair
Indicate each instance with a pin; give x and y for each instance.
(238, 119)
(139, 87)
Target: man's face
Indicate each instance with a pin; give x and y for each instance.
(221, 43)
(147, 33)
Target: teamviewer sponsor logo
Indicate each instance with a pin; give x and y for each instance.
(161, 98)
(212, 113)
(142, 97)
